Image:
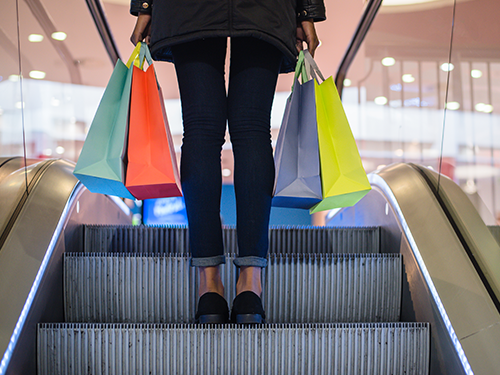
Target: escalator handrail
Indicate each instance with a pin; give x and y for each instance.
(99, 16)
(364, 25)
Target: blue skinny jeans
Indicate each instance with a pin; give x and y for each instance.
(246, 107)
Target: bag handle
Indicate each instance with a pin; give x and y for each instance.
(145, 54)
(314, 72)
(300, 70)
(140, 54)
(134, 56)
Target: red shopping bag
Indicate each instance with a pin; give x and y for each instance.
(152, 170)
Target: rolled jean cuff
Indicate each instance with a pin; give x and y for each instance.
(208, 261)
(250, 261)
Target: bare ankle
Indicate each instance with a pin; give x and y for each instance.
(210, 281)
(249, 280)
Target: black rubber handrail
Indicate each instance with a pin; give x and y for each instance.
(364, 25)
(101, 22)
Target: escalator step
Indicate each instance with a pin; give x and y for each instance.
(354, 349)
(174, 239)
(312, 288)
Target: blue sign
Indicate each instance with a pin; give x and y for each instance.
(165, 211)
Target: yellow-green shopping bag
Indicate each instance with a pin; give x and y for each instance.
(343, 178)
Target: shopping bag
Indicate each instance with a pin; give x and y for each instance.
(343, 178)
(298, 182)
(101, 164)
(152, 170)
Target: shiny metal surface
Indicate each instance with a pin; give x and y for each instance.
(305, 288)
(13, 177)
(495, 231)
(478, 237)
(282, 240)
(284, 349)
(31, 258)
(443, 285)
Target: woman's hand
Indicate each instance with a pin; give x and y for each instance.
(142, 29)
(306, 32)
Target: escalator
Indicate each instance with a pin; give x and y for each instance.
(388, 287)
(42, 206)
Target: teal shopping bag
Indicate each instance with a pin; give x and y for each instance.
(101, 165)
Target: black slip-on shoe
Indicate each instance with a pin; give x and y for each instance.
(212, 309)
(247, 309)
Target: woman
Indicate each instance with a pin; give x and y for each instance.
(266, 36)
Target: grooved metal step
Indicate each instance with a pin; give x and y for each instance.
(354, 349)
(174, 239)
(312, 288)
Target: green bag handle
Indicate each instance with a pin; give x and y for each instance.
(300, 70)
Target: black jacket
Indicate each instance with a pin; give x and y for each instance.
(275, 21)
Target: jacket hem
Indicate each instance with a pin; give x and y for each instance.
(161, 50)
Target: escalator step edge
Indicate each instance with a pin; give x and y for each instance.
(312, 288)
(174, 239)
(355, 349)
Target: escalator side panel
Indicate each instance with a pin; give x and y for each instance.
(478, 240)
(14, 175)
(31, 259)
(443, 286)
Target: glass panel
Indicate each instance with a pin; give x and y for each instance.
(64, 67)
(396, 103)
(10, 98)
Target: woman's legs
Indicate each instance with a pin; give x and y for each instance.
(254, 70)
(200, 74)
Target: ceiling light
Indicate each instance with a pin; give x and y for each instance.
(476, 73)
(453, 106)
(59, 35)
(447, 67)
(482, 107)
(380, 100)
(408, 78)
(347, 82)
(388, 61)
(35, 38)
(488, 108)
(14, 78)
(37, 74)
(60, 150)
